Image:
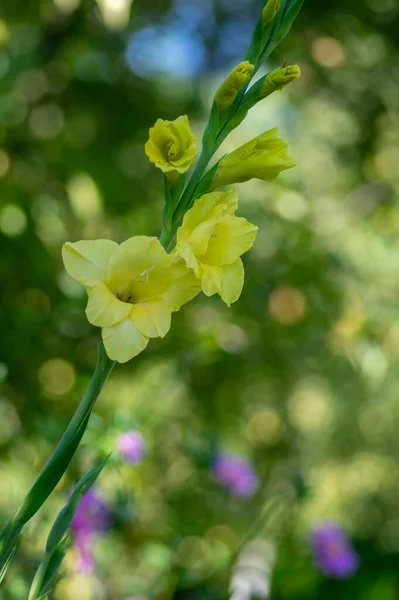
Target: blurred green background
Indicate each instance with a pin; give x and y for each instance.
(300, 375)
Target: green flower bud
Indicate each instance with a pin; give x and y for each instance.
(229, 89)
(270, 11)
(278, 79)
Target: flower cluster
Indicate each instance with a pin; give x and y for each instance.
(133, 288)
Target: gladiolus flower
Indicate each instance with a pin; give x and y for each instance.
(171, 146)
(91, 517)
(236, 474)
(333, 552)
(131, 447)
(211, 241)
(262, 158)
(227, 92)
(133, 288)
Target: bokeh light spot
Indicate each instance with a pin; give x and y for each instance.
(46, 121)
(57, 377)
(66, 6)
(84, 196)
(13, 220)
(328, 52)
(265, 428)
(309, 408)
(287, 305)
(192, 553)
(32, 84)
(4, 163)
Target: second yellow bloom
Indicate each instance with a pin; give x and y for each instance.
(212, 239)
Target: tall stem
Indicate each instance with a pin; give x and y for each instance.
(60, 459)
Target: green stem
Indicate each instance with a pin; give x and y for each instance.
(60, 459)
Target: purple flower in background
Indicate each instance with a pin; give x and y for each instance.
(236, 474)
(92, 516)
(333, 552)
(131, 446)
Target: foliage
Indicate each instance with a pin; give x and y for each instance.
(299, 375)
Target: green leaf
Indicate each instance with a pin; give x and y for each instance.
(7, 563)
(57, 541)
(60, 459)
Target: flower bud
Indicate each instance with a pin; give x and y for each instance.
(264, 157)
(227, 92)
(270, 11)
(278, 79)
(171, 146)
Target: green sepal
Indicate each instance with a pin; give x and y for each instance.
(281, 25)
(173, 192)
(288, 19)
(216, 121)
(57, 541)
(205, 184)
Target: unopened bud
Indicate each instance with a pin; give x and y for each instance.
(270, 11)
(230, 87)
(278, 79)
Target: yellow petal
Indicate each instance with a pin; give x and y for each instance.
(87, 260)
(232, 282)
(103, 308)
(211, 280)
(183, 249)
(152, 318)
(208, 206)
(134, 259)
(184, 286)
(231, 238)
(123, 341)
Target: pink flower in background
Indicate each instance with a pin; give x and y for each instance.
(131, 446)
(236, 474)
(333, 552)
(92, 516)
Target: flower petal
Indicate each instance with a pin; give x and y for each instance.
(231, 238)
(183, 249)
(152, 318)
(123, 341)
(184, 286)
(211, 280)
(134, 258)
(87, 260)
(103, 308)
(232, 282)
(208, 206)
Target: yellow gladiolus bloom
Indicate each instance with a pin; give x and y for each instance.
(262, 158)
(227, 92)
(211, 241)
(132, 288)
(171, 146)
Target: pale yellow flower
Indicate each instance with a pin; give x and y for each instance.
(211, 241)
(262, 158)
(227, 92)
(171, 146)
(133, 288)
